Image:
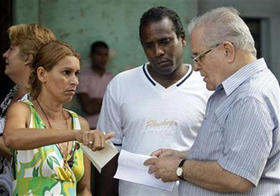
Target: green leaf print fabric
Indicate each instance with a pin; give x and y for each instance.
(42, 171)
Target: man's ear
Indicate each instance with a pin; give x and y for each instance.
(183, 39)
(229, 51)
(42, 74)
(28, 59)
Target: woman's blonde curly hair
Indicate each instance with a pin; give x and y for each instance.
(29, 38)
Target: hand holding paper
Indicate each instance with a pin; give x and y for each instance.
(100, 158)
(164, 168)
(131, 168)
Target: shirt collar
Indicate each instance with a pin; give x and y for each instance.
(178, 83)
(244, 73)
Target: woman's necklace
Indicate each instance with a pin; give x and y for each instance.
(63, 154)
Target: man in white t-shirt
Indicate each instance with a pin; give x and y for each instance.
(160, 104)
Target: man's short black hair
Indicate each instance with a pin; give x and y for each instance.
(156, 14)
(97, 44)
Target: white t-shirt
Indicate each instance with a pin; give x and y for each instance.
(146, 116)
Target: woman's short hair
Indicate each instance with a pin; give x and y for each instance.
(47, 57)
(29, 37)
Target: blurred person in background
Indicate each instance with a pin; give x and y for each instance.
(92, 85)
(93, 82)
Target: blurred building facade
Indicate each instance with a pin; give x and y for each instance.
(116, 22)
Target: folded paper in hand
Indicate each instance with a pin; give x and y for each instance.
(101, 157)
(131, 168)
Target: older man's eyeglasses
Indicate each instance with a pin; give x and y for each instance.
(198, 57)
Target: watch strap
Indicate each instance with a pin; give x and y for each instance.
(180, 166)
(182, 163)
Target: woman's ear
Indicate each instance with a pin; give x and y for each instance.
(42, 74)
(184, 42)
(28, 59)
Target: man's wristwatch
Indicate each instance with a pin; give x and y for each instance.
(179, 170)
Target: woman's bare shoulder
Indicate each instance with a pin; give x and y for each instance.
(18, 112)
(19, 107)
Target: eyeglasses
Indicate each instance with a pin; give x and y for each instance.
(198, 57)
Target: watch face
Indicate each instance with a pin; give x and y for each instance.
(179, 171)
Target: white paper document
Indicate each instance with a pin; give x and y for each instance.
(101, 157)
(131, 168)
